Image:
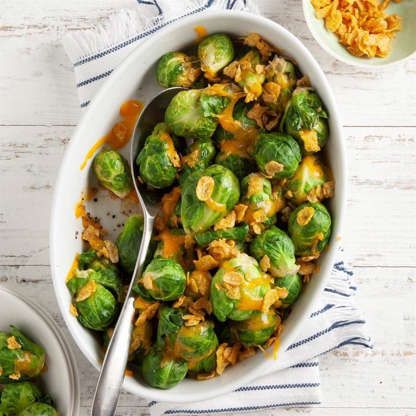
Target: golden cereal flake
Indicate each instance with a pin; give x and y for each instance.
(227, 222)
(86, 291)
(198, 282)
(304, 216)
(192, 320)
(73, 310)
(271, 92)
(111, 251)
(147, 314)
(223, 249)
(254, 40)
(205, 263)
(15, 376)
(13, 344)
(205, 188)
(233, 278)
(265, 263)
(206, 376)
(147, 281)
(273, 167)
(240, 212)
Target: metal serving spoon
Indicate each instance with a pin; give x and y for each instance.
(115, 360)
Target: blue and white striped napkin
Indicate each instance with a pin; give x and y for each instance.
(336, 321)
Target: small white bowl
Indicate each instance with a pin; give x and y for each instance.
(404, 44)
(135, 78)
(60, 380)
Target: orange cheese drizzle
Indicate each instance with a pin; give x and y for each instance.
(201, 32)
(121, 132)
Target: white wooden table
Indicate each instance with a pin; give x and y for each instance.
(39, 110)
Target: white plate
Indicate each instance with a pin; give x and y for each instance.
(60, 380)
(135, 78)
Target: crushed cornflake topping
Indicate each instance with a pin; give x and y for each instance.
(141, 337)
(272, 168)
(205, 188)
(141, 304)
(307, 267)
(233, 278)
(270, 298)
(15, 376)
(240, 212)
(265, 263)
(304, 216)
(257, 228)
(189, 242)
(147, 314)
(223, 249)
(363, 27)
(73, 310)
(206, 376)
(256, 41)
(198, 283)
(168, 205)
(183, 301)
(271, 92)
(13, 344)
(232, 291)
(263, 116)
(192, 320)
(199, 306)
(226, 356)
(227, 222)
(310, 140)
(112, 251)
(205, 263)
(147, 281)
(321, 192)
(86, 291)
(246, 352)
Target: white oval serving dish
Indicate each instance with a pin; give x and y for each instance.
(135, 79)
(61, 380)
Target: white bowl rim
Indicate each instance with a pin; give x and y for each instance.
(335, 55)
(70, 362)
(129, 383)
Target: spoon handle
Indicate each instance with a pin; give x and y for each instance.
(115, 360)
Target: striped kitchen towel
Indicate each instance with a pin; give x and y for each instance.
(336, 321)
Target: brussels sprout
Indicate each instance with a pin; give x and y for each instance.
(257, 329)
(306, 120)
(95, 297)
(39, 409)
(163, 279)
(238, 289)
(158, 159)
(200, 155)
(207, 197)
(176, 69)
(308, 180)
(248, 73)
(215, 52)
(191, 114)
(238, 234)
(239, 165)
(162, 372)
(113, 172)
(197, 345)
(293, 284)
(262, 202)
(278, 247)
(277, 155)
(18, 396)
(20, 358)
(128, 242)
(107, 273)
(310, 228)
(283, 73)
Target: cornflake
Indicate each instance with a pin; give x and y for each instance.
(12, 343)
(205, 188)
(86, 291)
(363, 27)
(206, 263)
(227, 222)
